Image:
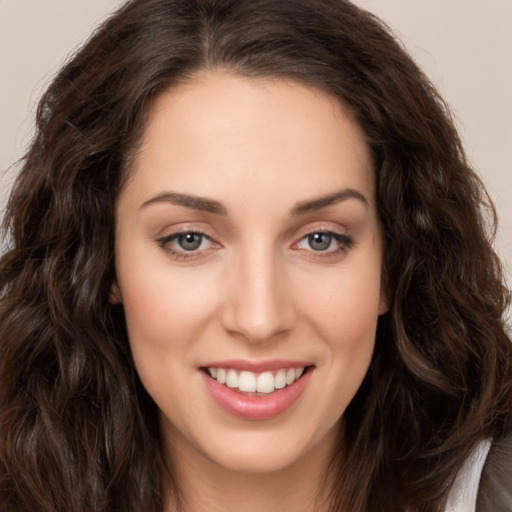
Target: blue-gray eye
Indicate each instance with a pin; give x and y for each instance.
(320, 241)
(189, 241)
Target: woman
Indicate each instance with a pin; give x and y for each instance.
(249, 269)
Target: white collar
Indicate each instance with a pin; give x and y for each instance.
(463, 495)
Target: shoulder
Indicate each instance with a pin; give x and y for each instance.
(495, 491)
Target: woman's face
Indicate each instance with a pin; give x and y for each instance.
(249, 266)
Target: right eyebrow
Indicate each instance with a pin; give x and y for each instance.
(188, 201)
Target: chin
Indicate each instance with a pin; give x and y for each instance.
(263, 450)
(257, 462)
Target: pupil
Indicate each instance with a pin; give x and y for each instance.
(190, 241)
(320, 241)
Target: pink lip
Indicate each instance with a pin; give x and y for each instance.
(256, 407)
(257, 366)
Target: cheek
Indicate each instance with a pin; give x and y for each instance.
(343, 312)
(346, 306)
(341, 315)
(165, 310)
(165, 315)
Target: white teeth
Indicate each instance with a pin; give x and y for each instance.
(280, 379)
(232, 379)
(249, 382)
(265, 383)
(221, 375)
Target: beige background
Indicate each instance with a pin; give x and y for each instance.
(465, 46)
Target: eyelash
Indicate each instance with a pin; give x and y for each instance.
(183, 254)
(344, 244)
(344, 241)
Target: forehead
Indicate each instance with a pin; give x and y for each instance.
(222, 131)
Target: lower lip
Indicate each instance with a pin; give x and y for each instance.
(256, 407)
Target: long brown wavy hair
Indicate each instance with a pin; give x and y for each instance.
(78, 433)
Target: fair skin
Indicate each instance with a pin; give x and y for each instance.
(248, 240)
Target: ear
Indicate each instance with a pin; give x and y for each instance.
(383, 303)
(115, 297)
(384, 292)
(384, 295)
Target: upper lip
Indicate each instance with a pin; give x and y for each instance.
(257, 366)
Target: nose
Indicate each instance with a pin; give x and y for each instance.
(258, 304)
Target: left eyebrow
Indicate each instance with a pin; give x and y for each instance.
(324, 201)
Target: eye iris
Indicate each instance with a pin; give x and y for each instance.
(319, 241)
(190, 241)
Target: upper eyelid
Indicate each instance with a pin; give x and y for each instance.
(294, 235)
(176, 231)
(335, 234)
(312, 231)
(173, 236)
(321, 229)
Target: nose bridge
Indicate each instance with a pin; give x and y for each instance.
(259, 305)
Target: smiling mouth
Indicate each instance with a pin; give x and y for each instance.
(256, 384)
